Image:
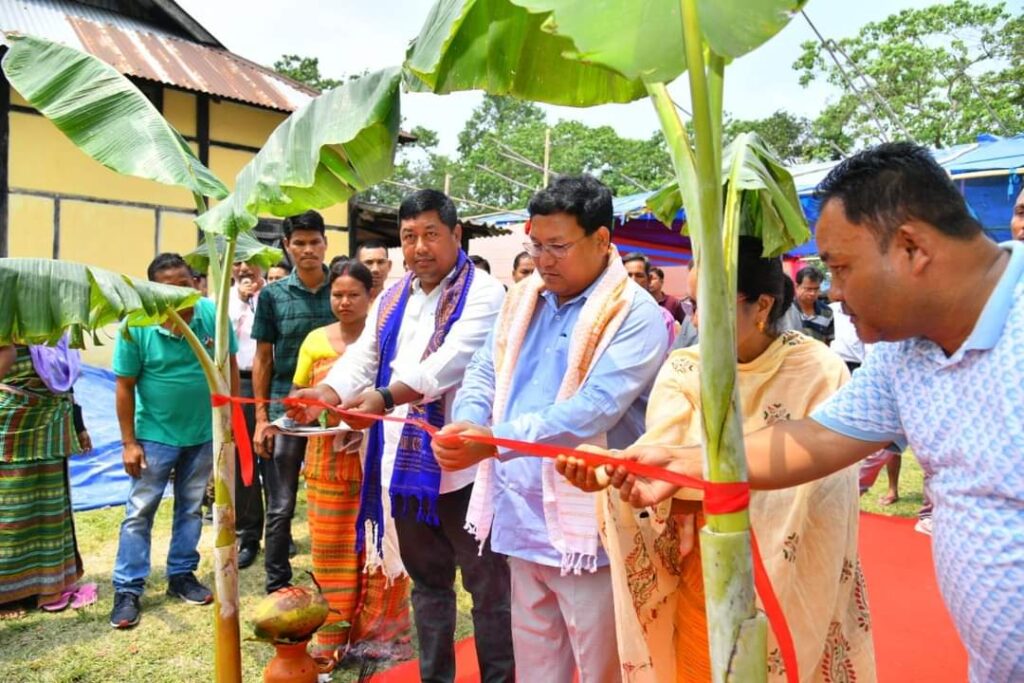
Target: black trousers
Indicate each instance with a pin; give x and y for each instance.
(431, 555)
(281, 482)
(249, 499)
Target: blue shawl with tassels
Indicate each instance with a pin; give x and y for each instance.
(416, 474)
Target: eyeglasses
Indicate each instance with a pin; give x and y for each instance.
(556, 251)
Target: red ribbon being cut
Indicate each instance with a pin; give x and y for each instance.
(719, 498)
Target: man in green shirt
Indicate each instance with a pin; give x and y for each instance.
(286, 312)
(163, 407)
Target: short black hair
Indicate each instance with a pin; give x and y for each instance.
(582, 196)
(422, 201)
(883, 187)
(658, 271)
(519, 258)
(167, 261)
(809, 273)
(338, 259)
(371, 244)
(480, 262)
(757, 275)
(637, 256)
(353, 269)
(310, 220)
(283, 265)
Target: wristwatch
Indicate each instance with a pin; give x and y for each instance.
(389, 399)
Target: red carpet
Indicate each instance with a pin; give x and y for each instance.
(914, 636)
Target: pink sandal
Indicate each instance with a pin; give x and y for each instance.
(86, 595)
(60, 603)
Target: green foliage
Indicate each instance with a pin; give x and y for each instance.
(104, 114)
(767, 206)
(787, 135)
(305, 70)
(248, 249)
(339, 144)
(501, 128)
(946, 72)
(41, 299)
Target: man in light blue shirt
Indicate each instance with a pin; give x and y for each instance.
(947, 377)
(571, 361)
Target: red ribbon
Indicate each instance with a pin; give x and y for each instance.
(720, 498)
(241, 433)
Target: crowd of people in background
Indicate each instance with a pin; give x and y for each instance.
(572, 571)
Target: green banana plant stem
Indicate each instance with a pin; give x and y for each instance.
(737, 632)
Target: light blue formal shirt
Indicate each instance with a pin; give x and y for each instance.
(961, 415)
(612, 400)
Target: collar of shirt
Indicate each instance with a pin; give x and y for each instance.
(418, 288)
(293, 280)
(552, 299)
(989, 328)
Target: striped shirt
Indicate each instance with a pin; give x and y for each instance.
(286, 312)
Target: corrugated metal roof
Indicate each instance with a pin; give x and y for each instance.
(136, 48)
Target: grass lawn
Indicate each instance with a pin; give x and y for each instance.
(173, 643)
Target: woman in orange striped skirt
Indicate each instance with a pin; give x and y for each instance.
(369, 615)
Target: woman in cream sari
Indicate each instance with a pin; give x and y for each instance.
(807, 534)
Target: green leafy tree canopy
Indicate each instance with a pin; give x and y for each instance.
(938, 75)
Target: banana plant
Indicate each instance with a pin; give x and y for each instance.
(338, 144)
(613, 51)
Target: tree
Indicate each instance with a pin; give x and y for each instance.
(788, 135)
(938, 75)
(304, 70)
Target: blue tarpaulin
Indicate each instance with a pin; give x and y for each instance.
(98, 478)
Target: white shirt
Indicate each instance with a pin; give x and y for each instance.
(847, 344)
(437, 376)
(242, 315)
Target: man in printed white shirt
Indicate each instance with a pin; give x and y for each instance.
(420, 336)
(944, 306)
(248, 499)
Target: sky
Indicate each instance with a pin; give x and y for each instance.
(348, 36)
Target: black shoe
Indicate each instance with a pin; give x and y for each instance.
(292, 550)
(188, 588)
(126, 610)
(247, 555)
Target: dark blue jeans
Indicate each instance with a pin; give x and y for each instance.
(192, 466)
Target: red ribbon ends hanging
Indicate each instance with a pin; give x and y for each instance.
(720, 498)
(240, 431)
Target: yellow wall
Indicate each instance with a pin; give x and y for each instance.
(114, 237)
(178, 233)
(41, 158)
(180, 111)
(30, 226)
(242, 125)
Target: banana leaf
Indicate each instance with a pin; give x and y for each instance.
(104, 114)
(503, 48)
(561, 51)
(340, 143)
(769, 207)
(248, 249)
(41, 299)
